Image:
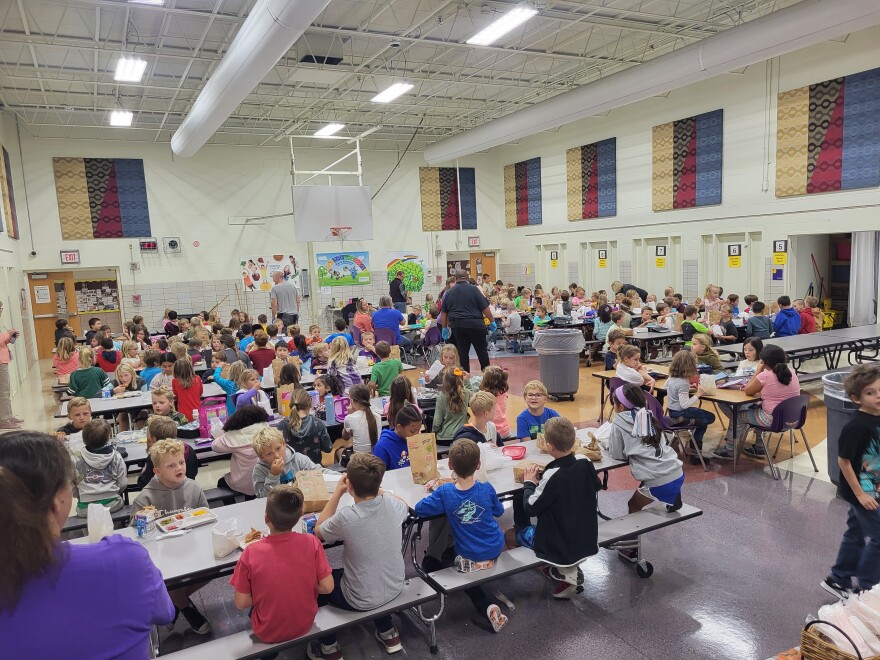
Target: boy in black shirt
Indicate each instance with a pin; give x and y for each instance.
(859, 461)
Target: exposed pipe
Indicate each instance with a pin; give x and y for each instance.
(801, 25)
(271, 29)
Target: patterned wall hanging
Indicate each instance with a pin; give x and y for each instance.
(101, 198)
(687, 162)
(522, 193)
(9, 213)
(828, 136)
(439, 187)
(591, 178)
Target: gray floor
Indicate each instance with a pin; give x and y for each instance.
(735, 583)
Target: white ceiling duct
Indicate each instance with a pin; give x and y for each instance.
(269, 32)
(801, 25)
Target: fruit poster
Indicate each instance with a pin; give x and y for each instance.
(256, 272)
(343, 268)
(413, 265)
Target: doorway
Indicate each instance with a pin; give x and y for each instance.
(483, 263)
(599, 262)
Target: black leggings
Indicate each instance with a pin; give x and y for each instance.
(465, 338)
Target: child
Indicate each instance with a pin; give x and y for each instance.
(752, 348)
(602, 324)
(452, 404)
(63, 330)
(681, 404)
(264, 576)
(300, 350)
(171, 327)
(787, 321)
(392, 448)
(385, 371)
(616, 341)
(314, 335)
(630, 367)
(512, 327)
(725, 333)
(449, 360)
(278, 463)
(646, 319)
(171, 491)
(228, 383)
(261, 354)
(272, 331)
(733, 302)
(530, 422)
(342, 365)
(471, 508)
(320, 357)
(495, 383)
(651, 302)
(636, 437)
(482, 405)
(808, 321)
(290, 374)
(108, 358)
(88, 380)
(79, 413)
(160, 427)
(194, 350)
(101, 475)
(691, 326)
(187, 388)
(617, 323)
(341, 328)
(368, 341)
(262, 320)
(130, 355)
(749, 300)
(249, 392)
(859, 461)
(325, 385)
(305, 433)
(759, 325)
(813, 305)
(65, 360)
(247, 337)
(94, 327)
(362, 424)
(706, 354)
(541, 317)
(564, 535)
(238, 440)
(400, 394)
(370, 532)
(163, 404)
(166, 377)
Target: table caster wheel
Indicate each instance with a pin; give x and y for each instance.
(644, 569)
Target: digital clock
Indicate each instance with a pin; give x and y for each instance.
(149, 245)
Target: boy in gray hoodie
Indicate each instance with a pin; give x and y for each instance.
(101, 475)
(278, 463)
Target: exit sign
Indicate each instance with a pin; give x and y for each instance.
(473, 241)
(69, 256)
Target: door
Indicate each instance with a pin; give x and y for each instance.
(52, 297)
(731, 263)
(482, 263)
(657, 263)
(600, 263)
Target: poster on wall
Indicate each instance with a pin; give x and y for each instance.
(256, 272)
(10, 219)
(96, 295)
(452, 266)
(413, 266)
(343, 269)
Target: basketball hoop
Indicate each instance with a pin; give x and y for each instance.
(339, 234)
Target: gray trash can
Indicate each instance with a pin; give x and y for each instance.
(839, 410)
(559, 359)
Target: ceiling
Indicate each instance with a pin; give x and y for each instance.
(58, 57)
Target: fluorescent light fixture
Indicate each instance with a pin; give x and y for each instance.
(121, 118)
(130, 69)
(391, 93)
(504, 24)
(147, 2)
(329, 130)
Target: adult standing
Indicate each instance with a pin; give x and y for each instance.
(464, 308)
(7, 419)
(397, 291)
(284, 298)
(389, 318)
(100, 600)
(617, 287)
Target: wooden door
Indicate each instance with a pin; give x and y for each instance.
(52, 297)
(483, 262)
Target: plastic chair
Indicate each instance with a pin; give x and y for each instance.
(432, 339)
(387, 334)
(356, 334)
(788, 417)
(613, 383)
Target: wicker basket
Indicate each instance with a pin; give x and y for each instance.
(816, 646)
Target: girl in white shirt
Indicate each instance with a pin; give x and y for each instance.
(630, 369)
(752, 348)
(362, 424)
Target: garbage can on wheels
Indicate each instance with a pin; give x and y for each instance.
(839, 410)
(559, 359)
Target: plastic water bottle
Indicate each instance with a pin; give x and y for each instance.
(106, 392)
(421, 379)
(195, 416)
(329, 409)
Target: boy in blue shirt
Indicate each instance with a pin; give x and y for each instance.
(391, 447)
(530, 422)
(339, 324)
(471, 508)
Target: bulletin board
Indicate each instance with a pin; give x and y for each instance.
(96, 295)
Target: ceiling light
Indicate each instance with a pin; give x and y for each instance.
(130, 69)
(147, 2)
(121, 118)
(391, 93)
(329, 130)
(504, 24)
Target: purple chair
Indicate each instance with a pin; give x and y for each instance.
(432, 339)
(356, 334)
(387, 334)
(788, 417)
(667, 427)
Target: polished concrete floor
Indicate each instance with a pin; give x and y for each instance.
(734, 583)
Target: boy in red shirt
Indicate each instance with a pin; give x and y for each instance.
(262, 355)
(808, 321)
(107, 357)
(283, 593)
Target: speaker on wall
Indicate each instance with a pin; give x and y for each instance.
(305, 282)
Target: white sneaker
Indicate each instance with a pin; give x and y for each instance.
(496, 618)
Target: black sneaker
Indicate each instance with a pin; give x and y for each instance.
(755, 451)
(836, 588)
(196, 619)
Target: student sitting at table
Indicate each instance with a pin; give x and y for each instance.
(278, 463)
(617, 323)
(237, 440)
(250, 392)
(79, 413)
(302, 431)
(170, 491)
(261, 354)
(194, 349)
(165, 377)
(400, 394)
(341, 328)
(691, 326)
(665, 315)
(108, 358)
(812, 303)
(392, 448)
(564, 535)
(787, 322)
(314, 335)
(282, 594)
(759, 324)
(706, 353)
(603, 322)
(368, 341)
(88, 380)
(733, 301)
(530, 422)
(161, 427)
(512, 327)
(541, 316)
(616, 341)
(228, 382)
(566, 303)
(247, 337)
(171, 327)
(482, 406)
(101, 475)
(362, 425)
(646, 319)
(725, 332)
(808, 321)
(131, 356)
(163, 404)
(232, 351)
(415, 316)
(342, 365)
(320, 357)
(752, 348)
(452, 404)
(682, 406)
(384, 371)
(370, 532)
(187, 388)
(630, 367)
(470, 508)
(495, 383)
(298, 349)
(282, 352)
(65, 360)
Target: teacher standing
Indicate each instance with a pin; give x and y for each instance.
(617, 287)
(284, 298)
(7, 419)
(397, 291)
(464, 308)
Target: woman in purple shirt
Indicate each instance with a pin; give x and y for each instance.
(58, 599)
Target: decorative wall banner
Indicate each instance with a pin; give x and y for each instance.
(828, 136)
(256, 272)
(687, 162)
(10, 217)
(443, 190)
(591, 179)
(413, 266)
(522, 193)
(343, 269)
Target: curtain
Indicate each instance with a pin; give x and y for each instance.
(864, 278)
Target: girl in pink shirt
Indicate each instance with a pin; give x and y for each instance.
(495, 382)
